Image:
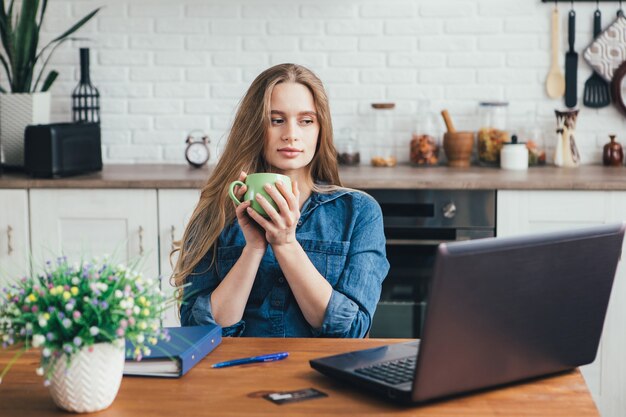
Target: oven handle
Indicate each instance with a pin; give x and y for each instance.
(423, 242)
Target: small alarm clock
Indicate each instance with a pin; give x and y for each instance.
(197, 152)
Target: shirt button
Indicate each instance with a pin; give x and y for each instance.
(299, 222)
(281, 280)
(276, 303)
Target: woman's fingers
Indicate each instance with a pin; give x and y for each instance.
(262, 221)
(269, 209)
(240, 210)
(288, 195)
(241, 190)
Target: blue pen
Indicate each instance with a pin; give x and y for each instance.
(263, 358)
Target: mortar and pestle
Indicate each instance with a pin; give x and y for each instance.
(458, 146)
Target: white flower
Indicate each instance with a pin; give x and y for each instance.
(42, 321)
(93, 330)
(75, 281)
(136, 310)
(141, 338)
(38, 340)
(29, 326)
(46, 352)
(102, 286)
(39, 371)
(69, 307)
(119, 294)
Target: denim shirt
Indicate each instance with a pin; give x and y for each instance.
(342, 234)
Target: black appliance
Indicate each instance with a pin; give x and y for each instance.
(416, 221)
(62, 149)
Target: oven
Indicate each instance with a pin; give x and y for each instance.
(416, 222)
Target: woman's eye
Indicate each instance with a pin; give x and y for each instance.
(277, 121)
(307, 121)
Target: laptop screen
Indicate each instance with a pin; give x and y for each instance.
(507, 309)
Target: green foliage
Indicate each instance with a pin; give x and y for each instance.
(70, 307)
(19, 35)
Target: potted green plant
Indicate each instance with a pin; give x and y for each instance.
(26, 100)
(78, 316)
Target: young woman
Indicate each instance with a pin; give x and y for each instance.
(316, 265)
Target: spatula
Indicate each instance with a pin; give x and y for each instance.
(555, 82)
(597, 93)
(571, 63)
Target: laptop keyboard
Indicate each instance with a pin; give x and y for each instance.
(393, 372)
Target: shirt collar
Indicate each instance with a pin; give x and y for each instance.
(318, 199)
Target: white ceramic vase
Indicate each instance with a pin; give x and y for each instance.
(92, 379)
(16, 112)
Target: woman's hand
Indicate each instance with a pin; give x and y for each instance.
(251, 231)
(280, 228)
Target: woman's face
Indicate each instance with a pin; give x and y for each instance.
(292, 136)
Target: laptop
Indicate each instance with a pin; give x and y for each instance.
(500, 310)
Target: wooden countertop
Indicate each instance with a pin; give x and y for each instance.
(238, 390)
(588, 177)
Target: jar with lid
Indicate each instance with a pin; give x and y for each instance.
(492, 132)
(383, 152)
(533, 135)
(348, 148)
(514, 155)
(425, 138)
(612, 153)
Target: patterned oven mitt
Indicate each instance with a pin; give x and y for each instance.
(608, 50)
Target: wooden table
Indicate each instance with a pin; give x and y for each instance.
(236, 391)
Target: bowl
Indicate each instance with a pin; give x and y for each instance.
(458, 147)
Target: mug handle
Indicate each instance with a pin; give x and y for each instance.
(232, 194)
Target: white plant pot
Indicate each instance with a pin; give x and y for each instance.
(92, 379)
(16, 112)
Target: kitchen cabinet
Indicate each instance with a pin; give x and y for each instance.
(175, 209)
(86, 223)
(521, 212)
(14, 236)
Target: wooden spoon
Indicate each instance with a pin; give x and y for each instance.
(555, 82)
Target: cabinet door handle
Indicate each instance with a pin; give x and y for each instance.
(140, 241)
(9, 240)
(172, 232)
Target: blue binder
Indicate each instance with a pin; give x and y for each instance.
(174, 358)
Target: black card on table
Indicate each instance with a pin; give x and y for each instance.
(286, 397)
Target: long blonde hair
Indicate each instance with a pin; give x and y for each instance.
(244, 152)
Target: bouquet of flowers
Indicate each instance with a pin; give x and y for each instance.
(70, 307)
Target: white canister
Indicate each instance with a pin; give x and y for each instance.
(514, 155)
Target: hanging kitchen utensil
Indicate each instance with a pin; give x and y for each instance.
(555, 82)
(597, 93)
(608, 51)
(571, 63)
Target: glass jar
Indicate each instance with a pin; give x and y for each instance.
(348, 148)
(425, 138)
(533, 135)
(492, 132)
(383, 153)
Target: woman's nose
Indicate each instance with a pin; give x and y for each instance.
(291, 131)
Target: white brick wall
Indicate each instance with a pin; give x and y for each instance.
(165, 68)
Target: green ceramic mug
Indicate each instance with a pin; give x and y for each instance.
(255, 183)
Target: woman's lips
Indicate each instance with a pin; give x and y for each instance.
(290, 152)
